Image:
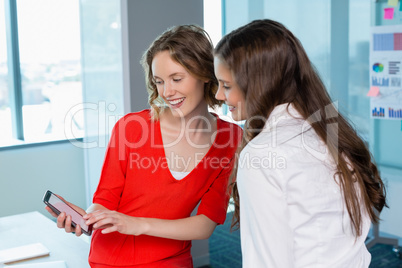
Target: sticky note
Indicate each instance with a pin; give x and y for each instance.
(393, 3)
(388, 13)
(374, 91)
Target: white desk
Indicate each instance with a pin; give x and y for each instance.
(33, 227)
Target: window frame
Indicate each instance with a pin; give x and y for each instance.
(14, 70)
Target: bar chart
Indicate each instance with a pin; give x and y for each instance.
(380, 112)
(392, 113)
(380, 81)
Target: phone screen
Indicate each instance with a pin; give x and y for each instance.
(54, 202)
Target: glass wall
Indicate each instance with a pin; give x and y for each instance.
(386, 135)
(359, 45)
(314, 23)
(102, 82)
(309, 21)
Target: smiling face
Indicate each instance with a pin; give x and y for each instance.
(181, 91)
(229, 91)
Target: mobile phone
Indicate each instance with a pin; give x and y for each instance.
(58, 206)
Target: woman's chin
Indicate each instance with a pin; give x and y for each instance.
(237, 117)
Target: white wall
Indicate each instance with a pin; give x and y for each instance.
(27, 172)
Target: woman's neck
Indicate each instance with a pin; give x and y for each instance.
(199, 121)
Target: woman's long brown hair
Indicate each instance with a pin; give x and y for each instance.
(271, 68)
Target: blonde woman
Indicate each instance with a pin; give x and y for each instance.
(163, 161)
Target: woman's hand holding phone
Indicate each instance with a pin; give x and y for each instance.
(65, 221)
(98, 216)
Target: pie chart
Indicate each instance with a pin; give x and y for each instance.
(378, 67)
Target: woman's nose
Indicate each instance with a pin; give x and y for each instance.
(168, 90)
(220, 95)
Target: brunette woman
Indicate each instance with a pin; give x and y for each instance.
(308, 186)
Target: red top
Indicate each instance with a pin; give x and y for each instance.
(136, 181)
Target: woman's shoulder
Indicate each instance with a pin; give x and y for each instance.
(134, 121)
(146, 114)
(229, 131)
(140, 116)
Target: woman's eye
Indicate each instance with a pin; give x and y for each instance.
(226, 87)
(158, 82)
(176, 79)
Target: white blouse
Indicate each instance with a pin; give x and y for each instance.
(178, 175)
(292, 212)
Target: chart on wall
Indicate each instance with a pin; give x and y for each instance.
(386, 72)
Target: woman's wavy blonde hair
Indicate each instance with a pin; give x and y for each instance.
(191, 47)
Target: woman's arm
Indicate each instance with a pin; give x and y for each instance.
(194, 227)
(191, 228)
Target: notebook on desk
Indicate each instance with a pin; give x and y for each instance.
(50, 264)
(23, 253)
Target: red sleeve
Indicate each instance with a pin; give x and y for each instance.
(128, 133)
(214, 202)
(112, 177)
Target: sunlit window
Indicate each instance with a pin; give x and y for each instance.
(49, 38)
(50, 68)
